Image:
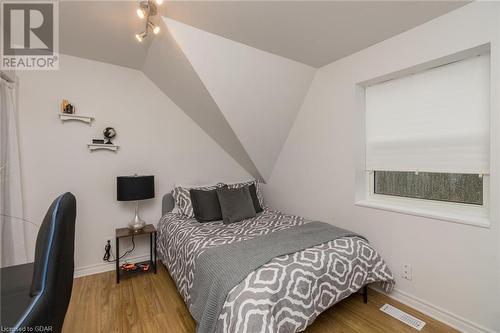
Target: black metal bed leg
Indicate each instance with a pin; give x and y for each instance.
(365, 294)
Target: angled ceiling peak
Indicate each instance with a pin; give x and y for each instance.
(259, 93)
(169, 69)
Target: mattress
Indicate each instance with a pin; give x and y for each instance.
(287, 293)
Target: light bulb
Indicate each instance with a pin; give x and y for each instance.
(159, 2)
(154, 27)
(140, 13)
(141, 36)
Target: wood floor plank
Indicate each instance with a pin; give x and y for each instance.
(150, 303)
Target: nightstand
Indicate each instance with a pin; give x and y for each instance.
(150, 230)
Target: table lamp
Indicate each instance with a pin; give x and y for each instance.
(135, 188)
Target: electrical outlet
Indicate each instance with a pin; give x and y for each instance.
(406, 272)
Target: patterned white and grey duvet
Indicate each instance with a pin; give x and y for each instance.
(287, 293)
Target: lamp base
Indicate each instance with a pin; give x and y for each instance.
(137, 223)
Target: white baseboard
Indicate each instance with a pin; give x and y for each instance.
(436, 312)
(105, 266)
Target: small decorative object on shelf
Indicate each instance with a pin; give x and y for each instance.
(105, 146)
(67, 116)
(67, 107)
(109, 133)
(68, 113)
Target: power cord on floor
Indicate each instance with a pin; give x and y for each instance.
(108, 254)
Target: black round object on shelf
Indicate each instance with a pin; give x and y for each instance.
(109, 133)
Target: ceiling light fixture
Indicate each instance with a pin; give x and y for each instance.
(141, 36)
(154, 28)
(140, 13)
(147, 9)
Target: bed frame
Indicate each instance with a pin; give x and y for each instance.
(168, 204)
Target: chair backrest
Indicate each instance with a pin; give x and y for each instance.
(53, 267)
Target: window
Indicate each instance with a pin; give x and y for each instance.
(428, 138)
(449, 187)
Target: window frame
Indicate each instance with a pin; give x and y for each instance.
(468, 214)
(471, 214)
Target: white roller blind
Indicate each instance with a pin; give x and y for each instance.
(436, 120)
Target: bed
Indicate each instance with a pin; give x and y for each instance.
(285, 294)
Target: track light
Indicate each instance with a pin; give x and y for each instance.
(140, 13)
(154, 27)
(141, 36)
(147, 9)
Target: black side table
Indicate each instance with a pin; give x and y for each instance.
(150, 230)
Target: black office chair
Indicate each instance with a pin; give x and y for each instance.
(40, 299)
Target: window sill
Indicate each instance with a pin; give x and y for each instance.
(474, 220)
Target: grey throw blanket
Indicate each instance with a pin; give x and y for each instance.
(220, 269)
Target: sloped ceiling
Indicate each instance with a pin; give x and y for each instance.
(258, 93)
(239, 69)
(313, 32)
(102, 31)
(167, 66)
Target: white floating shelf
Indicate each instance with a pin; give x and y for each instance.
(68, 116)
(97, 146)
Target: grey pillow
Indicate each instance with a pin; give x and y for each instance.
(206, 205)
(235, 203)
(257, 189)
(255, 198)
(182, 198)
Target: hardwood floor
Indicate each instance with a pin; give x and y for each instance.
(151, 303)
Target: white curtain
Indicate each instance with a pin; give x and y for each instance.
(13, 247)
(436, 120)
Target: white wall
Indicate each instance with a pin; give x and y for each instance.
(154, 135)
(455, 267)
